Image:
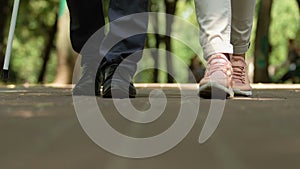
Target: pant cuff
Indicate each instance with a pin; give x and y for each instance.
(242, 49)
(212, 49)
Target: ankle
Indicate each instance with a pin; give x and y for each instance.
(240, 55)
(227, 55)
(224, 55)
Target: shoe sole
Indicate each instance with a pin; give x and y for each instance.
(86, 92)
(117, 93)
(214, 90)
(239, 92)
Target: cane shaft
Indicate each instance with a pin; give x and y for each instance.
(11, 34)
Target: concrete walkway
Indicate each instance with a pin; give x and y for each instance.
(39, 129)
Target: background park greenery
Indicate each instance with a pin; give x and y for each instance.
(40, 53)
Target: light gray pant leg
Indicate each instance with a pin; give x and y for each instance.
(214, 17)
(242, 21)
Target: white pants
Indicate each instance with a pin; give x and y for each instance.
(225, 25)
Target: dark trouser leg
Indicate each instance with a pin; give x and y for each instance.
(126, 37)
(125, 25)
(86, 18)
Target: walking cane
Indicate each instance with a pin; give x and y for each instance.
(10, 39)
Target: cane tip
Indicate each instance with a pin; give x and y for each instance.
(5, 75)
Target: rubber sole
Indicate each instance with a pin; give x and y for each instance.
(117, 94)
(239, 92)
(214, 90)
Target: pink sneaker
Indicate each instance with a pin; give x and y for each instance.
(217, 78)
(241, 84)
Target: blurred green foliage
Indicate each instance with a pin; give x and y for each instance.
(34, 21)
(284, 26)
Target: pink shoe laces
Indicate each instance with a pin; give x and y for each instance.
(239, 70)
(218, 63)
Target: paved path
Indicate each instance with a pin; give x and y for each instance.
(39, 130)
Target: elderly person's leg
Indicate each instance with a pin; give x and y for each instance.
(86, 18)
(214, 17)
(242, 21)
(121, 51)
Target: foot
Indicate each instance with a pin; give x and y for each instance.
(118, 81)
(241, 84)
(217, 81)
(88, 85)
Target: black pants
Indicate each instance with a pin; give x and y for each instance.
(87, 17)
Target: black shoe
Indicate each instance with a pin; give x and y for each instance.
(88, 84)
(117, 81)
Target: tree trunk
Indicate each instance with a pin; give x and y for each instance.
(4, 9)
(66, 57)
(46, 52)
(155, 57)
(157, 42)
(262, 45)
(155, 7)
(170, 9)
